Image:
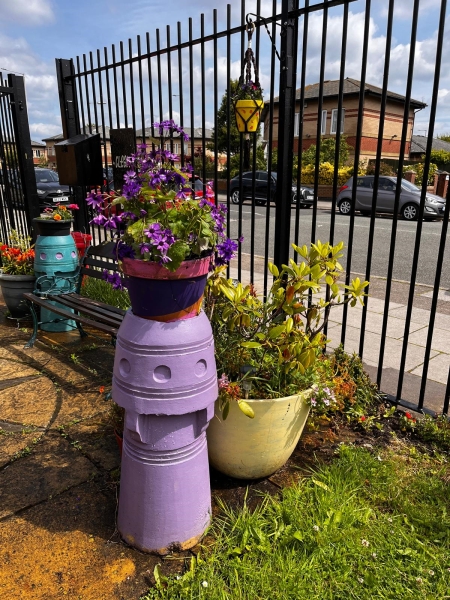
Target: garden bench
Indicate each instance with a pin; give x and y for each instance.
(66, 291)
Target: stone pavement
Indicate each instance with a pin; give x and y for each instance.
(439, 364)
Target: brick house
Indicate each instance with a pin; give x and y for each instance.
(39, 151)
(393, 122)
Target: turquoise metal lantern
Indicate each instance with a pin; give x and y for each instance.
(55, 267)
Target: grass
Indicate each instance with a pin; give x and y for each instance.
(365, 527)
(100, 290)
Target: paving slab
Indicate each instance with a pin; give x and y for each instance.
(95, 439)
(440, 340)
(68, 548)
(32, 402)
(75, 406)
(438, 368)
(13, 445)
(419, 315)
(393, 350)
(53, 466)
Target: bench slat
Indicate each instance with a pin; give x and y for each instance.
(69, 315)
(109, 319)
(97, 303)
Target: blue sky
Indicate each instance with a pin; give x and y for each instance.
(34, 32)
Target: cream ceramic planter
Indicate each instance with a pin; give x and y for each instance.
(252, 448)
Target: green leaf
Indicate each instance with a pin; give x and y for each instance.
(298, 536)
(177, 252)
(273, 269)
(274, 332)
(246, 409)
(226, 410)
(250, 344)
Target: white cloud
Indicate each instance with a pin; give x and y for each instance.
(27, 12)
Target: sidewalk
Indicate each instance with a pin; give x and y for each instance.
(439, 364)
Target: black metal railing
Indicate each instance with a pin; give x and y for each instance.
(152, 79)
(18, 195)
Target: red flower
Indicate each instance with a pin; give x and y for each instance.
(363, 418)
(101, 389)
(408, 415)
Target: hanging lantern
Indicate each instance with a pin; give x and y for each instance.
(248, 101)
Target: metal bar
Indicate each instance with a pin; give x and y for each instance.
(356, 161)
(180, 89)
(269, 153)
(294, 14)
(133, 108)
(150, 87)
(447, 393)
(102, 117)
(398, 188)
(228, 103)
(80, 95)
(116, 89)
(319, 123)
(384, 90)
(124, 90)
(158, 62)
(203, 96)
(86, 89)
(191, 97)
(141, 90)
(108, 89)
(216, 102)
(9, 146)
(300, 125)
(94, 94)
(286, 110)
(169, 81)
(21, 126)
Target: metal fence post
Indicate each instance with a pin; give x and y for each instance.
(68, 103)
(21, 127)
(285, 133)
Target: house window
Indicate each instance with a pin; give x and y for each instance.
(37, 153)
(50, 150)
(334, 116)
(323, 128)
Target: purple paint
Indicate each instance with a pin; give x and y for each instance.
(165, 378)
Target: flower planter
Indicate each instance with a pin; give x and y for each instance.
(50, 227)
(248, 113)
(13, 287)
(161, 295)
(253, 448)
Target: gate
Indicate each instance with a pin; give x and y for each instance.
(18, 195)
(184, 77)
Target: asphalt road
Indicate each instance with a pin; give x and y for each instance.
(404, 246)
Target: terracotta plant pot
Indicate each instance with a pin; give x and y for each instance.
(248, 113)
(50, 227)
(253, 448)
(13, 287)
(158, 294)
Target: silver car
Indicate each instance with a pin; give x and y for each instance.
(409, 198)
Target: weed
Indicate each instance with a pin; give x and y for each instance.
(75, 359)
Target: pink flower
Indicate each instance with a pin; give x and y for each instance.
(73, 206)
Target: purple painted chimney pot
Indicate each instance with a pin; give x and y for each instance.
(165, 378)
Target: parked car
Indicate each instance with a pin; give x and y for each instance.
(50, 191)
(409, 198)
(262, 193)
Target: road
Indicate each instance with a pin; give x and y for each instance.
(404, 245)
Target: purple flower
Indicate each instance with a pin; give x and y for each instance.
(145, 248)
(223, 381)
(94, 198)
(226, 251)
(164, 259)
(131, 189)
(113, 279)
(204, 202)
(170, 125)
(153, 232)
(99, 220)
(143, 212)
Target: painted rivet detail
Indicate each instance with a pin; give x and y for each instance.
(124, 367)
(200, 368)
(162, 374)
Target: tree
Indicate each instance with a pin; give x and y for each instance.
(43, 162)
(445, 137)
(235, 162)
(327, 152)
(222, 131)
